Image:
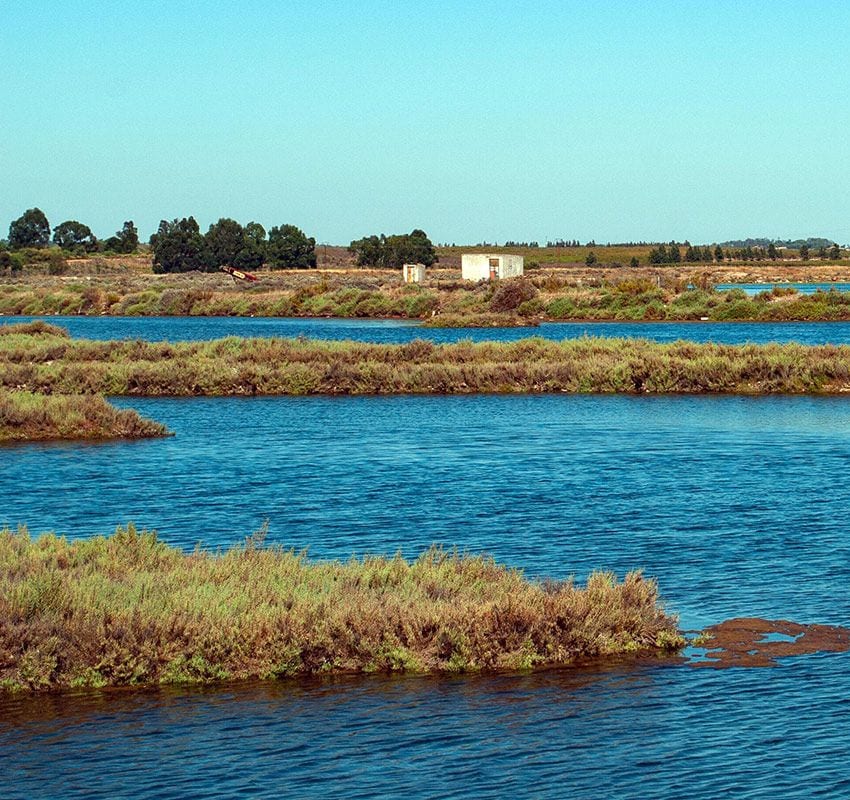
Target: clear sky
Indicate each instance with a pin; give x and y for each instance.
(474, 121)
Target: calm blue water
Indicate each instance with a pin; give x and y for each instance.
(737, 505)
(802, 288)
(400, 331)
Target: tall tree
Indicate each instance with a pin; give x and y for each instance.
(31, 229)
(253, 254)
(178, 246)
(225, 239)
(412, 248)
(70, 235)
(125, 241)
(128, 237)
(804, 252)
(718, 253)
(290, 248)
(658, 255)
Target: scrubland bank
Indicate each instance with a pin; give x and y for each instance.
(130, 610)
(41, 358)
(536, 298)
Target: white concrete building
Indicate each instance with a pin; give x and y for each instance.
(490, 266)
(413, 273)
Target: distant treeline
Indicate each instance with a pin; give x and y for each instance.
(672, 253)
(32, 229)
(177, 246)
(813, 243)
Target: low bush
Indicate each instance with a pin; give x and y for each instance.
(511, 294)
(25, 416)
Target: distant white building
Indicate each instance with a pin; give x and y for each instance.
(490, 266)
(413, 273)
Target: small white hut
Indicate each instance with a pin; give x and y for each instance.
(413, 273)
(490, 266)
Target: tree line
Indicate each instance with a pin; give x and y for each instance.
(394, 251)
(177, 246)
(32, 229)
(672, 254)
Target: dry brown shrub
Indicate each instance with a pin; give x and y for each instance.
(511, 293)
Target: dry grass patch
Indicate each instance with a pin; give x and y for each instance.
(129, 609)
(27, 417)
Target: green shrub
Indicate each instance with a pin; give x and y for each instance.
(530, 308)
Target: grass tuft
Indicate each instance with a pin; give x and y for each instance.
(25, 416)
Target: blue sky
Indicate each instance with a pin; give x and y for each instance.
(474, 121)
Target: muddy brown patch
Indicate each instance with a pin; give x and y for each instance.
(755, 642)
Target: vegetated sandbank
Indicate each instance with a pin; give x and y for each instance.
(545, 295)
(128, 609)
(42, 358)
(28, 416)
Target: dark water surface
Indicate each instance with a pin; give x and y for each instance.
(400, 331)
(737, 505)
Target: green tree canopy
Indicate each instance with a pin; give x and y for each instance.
(413, 248)
(125, 241)
(290, 248)
(256, 234)
(658, 255)
(70, 235)
(128, 238)
(394, 251)
(229, 243)
(31, 229)
(368, 251)
(178, 246)
(225, 239)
